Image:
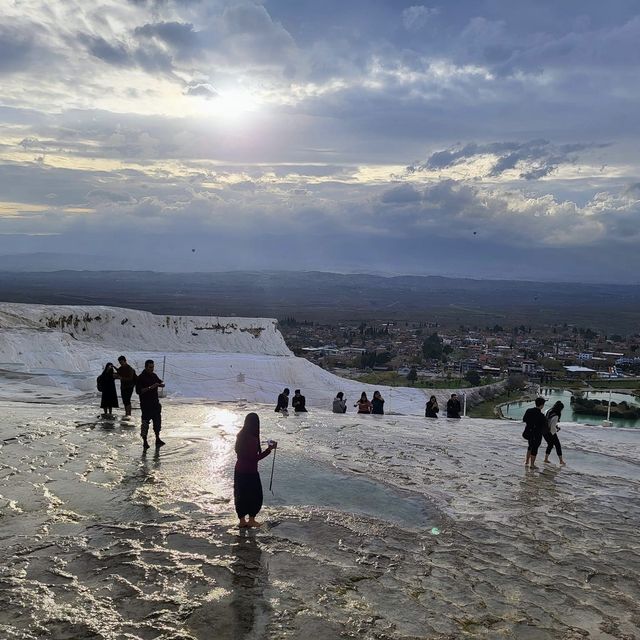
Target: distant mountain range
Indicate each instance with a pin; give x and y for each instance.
(50, 261)
(330, 296)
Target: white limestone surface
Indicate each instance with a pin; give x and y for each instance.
(378, 527)
(51, 351)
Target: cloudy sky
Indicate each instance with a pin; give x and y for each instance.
(486, 138)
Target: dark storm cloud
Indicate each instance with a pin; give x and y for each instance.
(536, 158)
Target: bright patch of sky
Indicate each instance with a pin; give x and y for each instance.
(368, 135)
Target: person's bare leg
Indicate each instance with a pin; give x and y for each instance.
(526, 462)
(243, 523)
(532, 462)
(253, 522)
(562, 462)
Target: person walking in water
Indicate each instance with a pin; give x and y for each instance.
(147, 386)
(282, 405)
(127, 376)
(339, 403)
(364, 406)
(107, 387)
(431, 410)
(453, 406)
(377, 403)
(535, 426)
(551, 436)
(298, 402)
(247, 487)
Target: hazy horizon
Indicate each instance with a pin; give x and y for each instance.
(480, 138)
(45, 267)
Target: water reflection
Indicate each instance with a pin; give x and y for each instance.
(537, 486)
(249, 576)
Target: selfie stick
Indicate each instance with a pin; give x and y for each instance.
(273, 464)
(161, 392)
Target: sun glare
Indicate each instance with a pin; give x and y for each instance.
(232, 105)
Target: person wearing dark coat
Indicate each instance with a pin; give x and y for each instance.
(432, 408)
(453, 406)
(247, 487)
(298, 402)
(107, 387)
(147, 386)
(536, 426)
(127, 376)
(282, 405)
(377, 403)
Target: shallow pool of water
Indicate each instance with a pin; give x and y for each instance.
(515, 410)
(300, 482)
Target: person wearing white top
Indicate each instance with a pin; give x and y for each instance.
(553, 418)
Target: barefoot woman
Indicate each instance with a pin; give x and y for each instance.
(247, 488)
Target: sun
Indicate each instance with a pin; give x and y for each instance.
(233, 105)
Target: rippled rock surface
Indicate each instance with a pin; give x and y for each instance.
(378, 527)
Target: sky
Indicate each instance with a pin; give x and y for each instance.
(482, 138)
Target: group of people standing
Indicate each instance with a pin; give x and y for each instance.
(146, 386)
(539, 425)
(106, 383)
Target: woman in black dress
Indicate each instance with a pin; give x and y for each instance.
(247, 488)
(107, 386)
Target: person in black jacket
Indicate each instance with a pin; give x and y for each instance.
(127, 376)
(147, 386)
(282, 405)
(298, 402)
(107, 387)
(432, 408)
(377, 403)
(535, 427)
(453, 406)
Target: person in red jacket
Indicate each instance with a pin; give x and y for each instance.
(247, 488)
